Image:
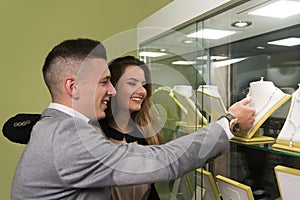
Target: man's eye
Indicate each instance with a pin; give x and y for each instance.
(104, 82)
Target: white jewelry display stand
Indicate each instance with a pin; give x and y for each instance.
(206, 187)
(288, 180)
(266, 99)
(191, 117)
(210, 101)
(231, 189)
(289, 136)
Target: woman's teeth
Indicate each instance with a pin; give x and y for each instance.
(136, 99)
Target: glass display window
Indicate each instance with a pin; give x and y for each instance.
(212, 59)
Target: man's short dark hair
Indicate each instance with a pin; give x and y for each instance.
(75, 49)
(65, 58)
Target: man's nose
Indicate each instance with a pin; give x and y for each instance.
(111, 90)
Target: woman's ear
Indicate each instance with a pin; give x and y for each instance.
(71, 88)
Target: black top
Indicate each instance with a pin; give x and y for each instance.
(134, 136)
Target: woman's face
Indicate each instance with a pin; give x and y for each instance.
(130, 89)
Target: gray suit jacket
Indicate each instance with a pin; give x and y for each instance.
(67, 158)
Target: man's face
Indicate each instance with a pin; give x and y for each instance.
(95, 88)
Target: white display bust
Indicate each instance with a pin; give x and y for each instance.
(210, 101)
(291, 128)
(186, 90)
(210, 90)
(266, 99)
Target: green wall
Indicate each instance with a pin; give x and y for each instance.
(29, 29)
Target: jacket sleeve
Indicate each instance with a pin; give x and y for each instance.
(84, 158)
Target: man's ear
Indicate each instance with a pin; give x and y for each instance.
(71, 87)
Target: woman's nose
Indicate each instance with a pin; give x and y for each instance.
(141, 90)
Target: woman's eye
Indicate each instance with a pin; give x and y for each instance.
(131, 83)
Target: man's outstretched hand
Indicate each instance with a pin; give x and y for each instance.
(243, 113)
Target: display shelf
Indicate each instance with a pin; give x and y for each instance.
(266, 147)
(254, 165)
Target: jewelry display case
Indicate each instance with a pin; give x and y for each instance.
(212, 56)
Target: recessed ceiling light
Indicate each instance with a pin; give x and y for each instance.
(184, 62)
(151, 54)
(292, 41)
(212, 57)
(215, 64)
(260, 47)
(241, 24)
(188, 41)
(218, 57)
(279, 9)
(227, 62)
(211, 34)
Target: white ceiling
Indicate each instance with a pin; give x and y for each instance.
(261, 26)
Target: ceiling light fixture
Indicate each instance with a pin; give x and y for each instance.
(188, 41)
(214, 64)
(292, 41)
(279, 9)
(212, 57)
(260, 47)
(184, 62)
(241, 24)
(151, 54)
(211, 34)
(227, 62)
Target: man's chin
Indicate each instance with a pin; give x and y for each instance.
(98, 116)
(101, 115)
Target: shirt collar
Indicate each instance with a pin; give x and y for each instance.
(68, 111)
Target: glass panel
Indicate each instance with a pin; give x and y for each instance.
(198, 76)
(248, 55)
(174, 96)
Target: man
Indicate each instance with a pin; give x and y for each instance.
(67, 158)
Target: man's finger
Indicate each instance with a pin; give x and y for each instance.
(246, 101)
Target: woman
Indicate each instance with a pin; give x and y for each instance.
(130, 107)
(128, 118)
